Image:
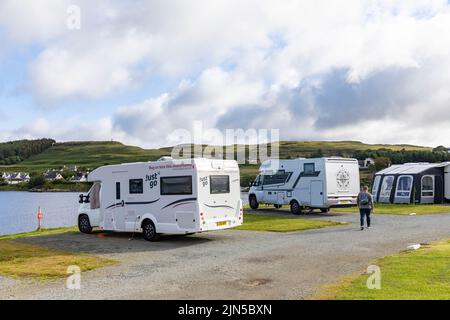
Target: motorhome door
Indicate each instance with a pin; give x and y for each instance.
(120, 189)
(317, 195)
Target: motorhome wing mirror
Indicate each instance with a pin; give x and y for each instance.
(81, 200)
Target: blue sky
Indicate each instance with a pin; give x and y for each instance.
(138, 71)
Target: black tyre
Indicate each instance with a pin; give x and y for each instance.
(84, 225)
(277, 206)
(325, 210)
(149, 231)
(253, 202)
(296, 208)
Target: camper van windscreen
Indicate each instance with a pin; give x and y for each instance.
(176, 185)
(219, 184)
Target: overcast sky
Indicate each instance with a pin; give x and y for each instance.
(375, 71)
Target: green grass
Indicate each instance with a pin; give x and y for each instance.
(401, 209)
(421, 274)
(25, 260)
(19, 259)
(255, 222)
(43, 232)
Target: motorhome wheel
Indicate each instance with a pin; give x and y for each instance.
(277, 206)
(295, 208)
(253, 202)
(149, 231)
(84, 225)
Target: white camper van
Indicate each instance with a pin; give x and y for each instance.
(319, 183)
(170, 196)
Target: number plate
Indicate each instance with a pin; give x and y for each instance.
(345, 202)
(222, 223)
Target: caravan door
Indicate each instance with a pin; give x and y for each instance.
(317, 195)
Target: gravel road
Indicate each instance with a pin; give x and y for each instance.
(230, 264)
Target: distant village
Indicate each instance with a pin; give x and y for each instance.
(50, 175)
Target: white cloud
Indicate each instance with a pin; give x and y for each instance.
(315, 69)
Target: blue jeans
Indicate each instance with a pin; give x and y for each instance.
(365, 213)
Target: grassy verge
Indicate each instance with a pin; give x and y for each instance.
(43, 232)
(401, 209)
(422, 274)
(282, 224)
(25, 260)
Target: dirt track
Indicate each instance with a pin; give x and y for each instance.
(230, 264)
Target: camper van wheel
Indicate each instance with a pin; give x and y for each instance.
(325, 210)
(295, 208)
(277, 206)
(149, 231)
(84, 225)
(253, 202)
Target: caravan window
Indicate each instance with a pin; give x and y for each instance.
(136, 186)
(376, 185)
(176, 185)
(219, 184)
(404, 186)
(386, 187)
(428, 186)
(278, 178)
(309, 168)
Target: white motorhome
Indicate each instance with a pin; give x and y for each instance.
(319, 183)
(170, 196)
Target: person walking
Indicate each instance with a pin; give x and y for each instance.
(365, 205)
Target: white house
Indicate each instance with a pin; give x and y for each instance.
(82, 177)
(53, 175)
(15, 178)
(366, 163)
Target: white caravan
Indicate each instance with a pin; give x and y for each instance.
(170, 196)
(319, 183)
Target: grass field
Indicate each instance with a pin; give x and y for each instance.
(255, 222)
(420, 274)
(401, 209)
(24, 260)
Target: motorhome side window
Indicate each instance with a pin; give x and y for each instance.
(280, 177)
(219, 184)
(309, 168)
(118, 191)
(136, 186)
(176, 185)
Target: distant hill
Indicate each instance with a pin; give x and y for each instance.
(93, 154)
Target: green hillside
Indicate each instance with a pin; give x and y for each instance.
(85, 155)
(90, 155)
(94, 154)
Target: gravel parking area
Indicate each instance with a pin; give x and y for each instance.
(230, 264)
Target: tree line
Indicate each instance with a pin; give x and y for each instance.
(16, 151)
(387, 157)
